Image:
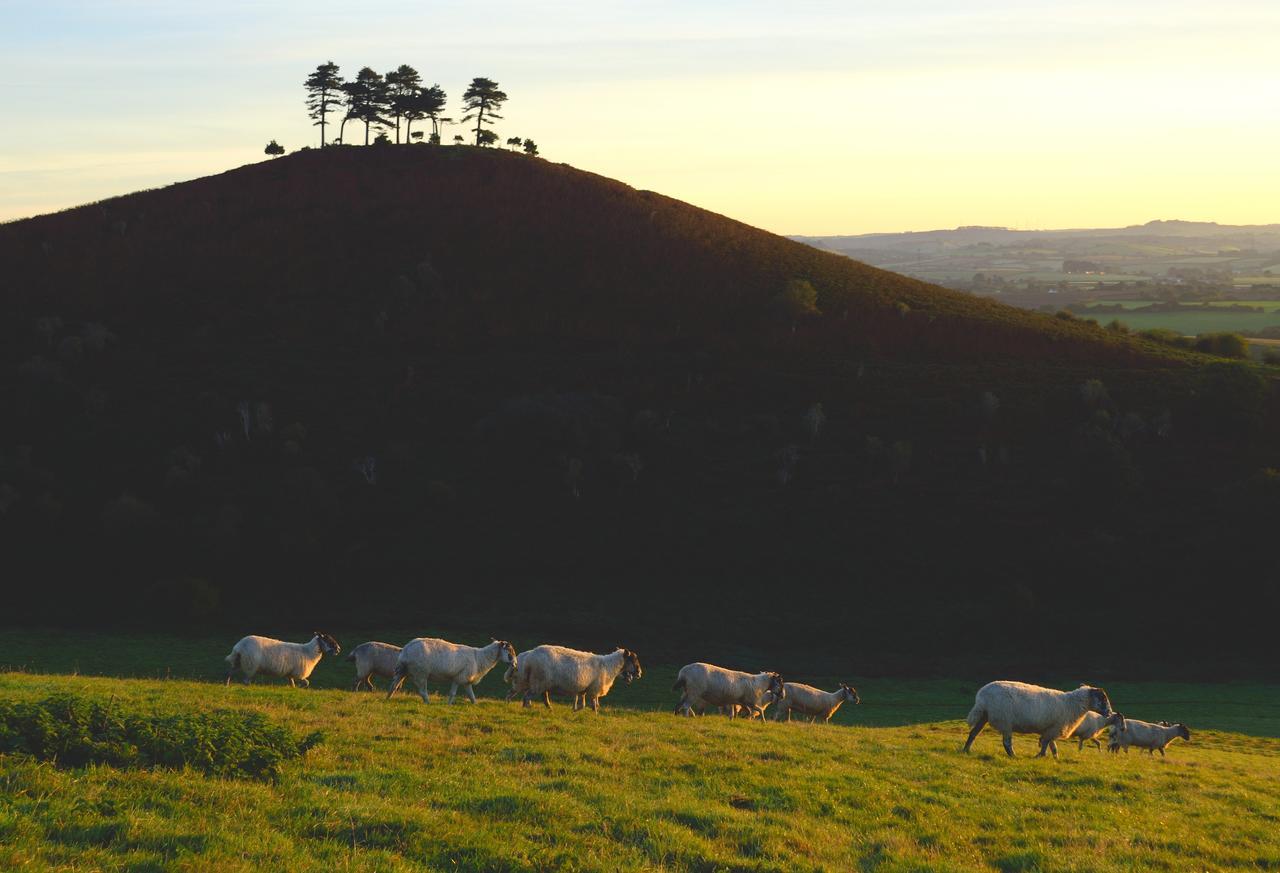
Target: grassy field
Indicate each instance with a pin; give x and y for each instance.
(1208, 319)
(399, 785)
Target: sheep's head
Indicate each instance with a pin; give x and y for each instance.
(1116, 720)
(1099, 702)
(776, 686)
(506, 652)
(1183, 731)
(631, 666)
(850, 693)
(328, 644)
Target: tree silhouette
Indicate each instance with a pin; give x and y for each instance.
(402, 84)
(481, 100)
(530, 148)
(274, 149)
(457, 139)
(487, 138)
(323, 87)
(425, 103)
(514, 142)
(367, 99)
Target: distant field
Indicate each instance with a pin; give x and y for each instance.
(399, 785)
(1211, 318)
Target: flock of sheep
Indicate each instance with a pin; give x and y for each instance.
(1009, 707)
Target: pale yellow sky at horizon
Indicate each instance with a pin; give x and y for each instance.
(822, 119)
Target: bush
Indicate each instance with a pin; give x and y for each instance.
(1224, 345)
(72, 731)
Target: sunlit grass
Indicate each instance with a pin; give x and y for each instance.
(399, 785)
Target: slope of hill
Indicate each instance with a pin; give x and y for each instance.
(396, 785)
(379, 380)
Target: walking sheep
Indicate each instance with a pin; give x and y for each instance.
(373, 659)
(1015, 707)
(584, 676)
(708, 685)
(813, 702)
(431, 660)
(256, 655)
(1145, 735)
(1092, 727)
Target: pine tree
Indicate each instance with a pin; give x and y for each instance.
(403, 85)
(481, 100)
(323, 87)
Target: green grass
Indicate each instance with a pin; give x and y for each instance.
(1210, 318)
(398, 785)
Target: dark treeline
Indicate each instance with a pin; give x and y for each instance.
(393, 102)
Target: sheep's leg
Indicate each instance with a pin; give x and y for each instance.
(1008, 744)
(471, 694)
(306, 683)
(1053, 747)
(528, 696)
(595, 707)
(973, 734)
(229, 678)
(359, 683)
(422, 691)
(578, 702)
(546, 698)
(453, 692)
(291, 685)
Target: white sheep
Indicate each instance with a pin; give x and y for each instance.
(373, 659)
(1092, 726)
(706, 685)
(1016, 707)
(432, 660)
(584, 676)
(813, 702)
(1145, 735)
(256, 655)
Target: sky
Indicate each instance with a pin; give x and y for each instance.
(798, 117)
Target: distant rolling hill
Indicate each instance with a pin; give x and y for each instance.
(397, 381)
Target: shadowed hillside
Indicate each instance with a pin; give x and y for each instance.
(396, 383)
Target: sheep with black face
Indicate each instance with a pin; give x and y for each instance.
(1018, 708)
(264, 656)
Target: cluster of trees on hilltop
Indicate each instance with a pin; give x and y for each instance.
(385, 103)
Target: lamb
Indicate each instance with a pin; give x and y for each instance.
(373, 659)
(255, 655)
(1145, 735)
(584, 676)
(1092, 727)
(813, 702)
(432, 660)
(1015, 707)
(706, 684)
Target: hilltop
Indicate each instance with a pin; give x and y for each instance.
(397, 380)
(500, 242)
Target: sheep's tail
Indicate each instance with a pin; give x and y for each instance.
(977, 715)
(680, 683)
(233, 660)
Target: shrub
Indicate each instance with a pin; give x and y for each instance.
(1224, 345)
(73, 731)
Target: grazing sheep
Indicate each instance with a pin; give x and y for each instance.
(584, 676)
(432, 660)
(373, 659)
(1092, 727)
(255, 655)
(813, 702)
(1145, 735)
(1015, 707)
(708, 685)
